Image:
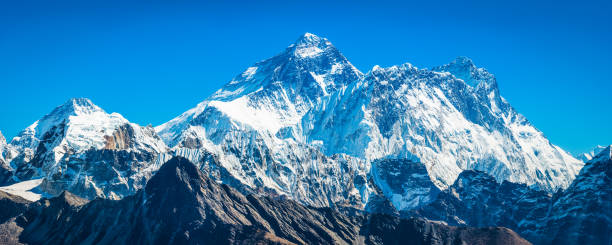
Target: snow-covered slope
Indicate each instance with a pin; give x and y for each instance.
(24, 189)
(272, 94)
(81, 148)
(307, 124)
(437, 117)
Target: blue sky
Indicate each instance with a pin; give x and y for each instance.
(152, 61)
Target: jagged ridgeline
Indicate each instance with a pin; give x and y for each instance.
(307, 126)
(181, 205)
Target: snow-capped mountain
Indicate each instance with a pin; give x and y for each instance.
(81, 148)
(272, 94)
(441, 120)
(250, 126)
(586, 156)
(308, 124)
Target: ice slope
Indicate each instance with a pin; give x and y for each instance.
(81, 148)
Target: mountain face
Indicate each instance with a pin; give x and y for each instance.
(308, 125)
(180, 205)
(249, 126)
(451, 118)
(81, 148)
(582, 214)
(5, 169)
(579, 214)
(406, 184)
(477, 199)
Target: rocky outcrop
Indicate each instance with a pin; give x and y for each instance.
(121, 139)
(11, 206)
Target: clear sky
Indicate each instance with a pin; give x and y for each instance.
(152, 61)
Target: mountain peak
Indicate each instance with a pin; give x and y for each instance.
(464, 68)
(309, 38)
(464, 61)
(310, 45)
(77, 106)
(178, 172)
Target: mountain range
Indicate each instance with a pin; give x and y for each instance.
(306, 134)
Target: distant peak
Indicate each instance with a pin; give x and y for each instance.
(71, 199)
(464, 68)
(79, 101)
(462, 60)
(310, 45)
(177, 172)
(309, 38)
(77, 106)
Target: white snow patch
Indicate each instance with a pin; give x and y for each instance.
(320, 80)
(249, 73)
(306, 52)
(24, 189)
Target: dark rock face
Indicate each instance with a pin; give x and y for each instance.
(121, 138)
(6, 175)
(11, 206)
(476, 199)
(582, 214)
(180, 205)
(43, 221)
(405, 183)
(393, 230)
